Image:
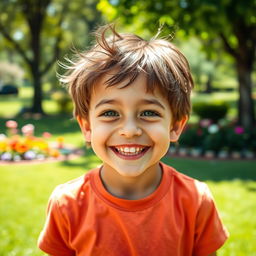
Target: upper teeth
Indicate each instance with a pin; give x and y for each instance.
(129, 149)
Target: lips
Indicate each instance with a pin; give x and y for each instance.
(130, 151)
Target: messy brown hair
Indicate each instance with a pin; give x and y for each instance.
(164, 65)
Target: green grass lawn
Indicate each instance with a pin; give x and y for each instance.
(25, 189)
(233, 184)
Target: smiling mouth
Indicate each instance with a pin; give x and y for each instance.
(130, 151)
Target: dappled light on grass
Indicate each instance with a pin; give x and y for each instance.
(24, 192)
(25, 189)
(236, 202)
(213, 169)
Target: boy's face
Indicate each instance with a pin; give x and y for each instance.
(129, 129)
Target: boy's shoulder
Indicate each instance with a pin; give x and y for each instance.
(178, 175)
(180, 182)
(74, 189)
(175, 182)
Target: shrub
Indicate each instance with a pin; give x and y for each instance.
(192, 136)
(216, 137)
(63, 101)
(211, 110)
(214, 142)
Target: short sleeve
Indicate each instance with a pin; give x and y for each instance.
(55, 234)
(210, 233)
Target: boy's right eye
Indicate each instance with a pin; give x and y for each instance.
(109, 113)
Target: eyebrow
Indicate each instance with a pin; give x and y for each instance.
(152, 101)
(144, 101)
(106, 101)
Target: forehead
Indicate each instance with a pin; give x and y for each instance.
(138, 88)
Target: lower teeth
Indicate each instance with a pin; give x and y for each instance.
(128, 154)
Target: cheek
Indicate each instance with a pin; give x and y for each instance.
(159, 133)
(100, 135)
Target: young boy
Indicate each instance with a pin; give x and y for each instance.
(131, 98)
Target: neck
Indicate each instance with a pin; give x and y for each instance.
(132, 188)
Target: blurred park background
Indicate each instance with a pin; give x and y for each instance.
(218, 145)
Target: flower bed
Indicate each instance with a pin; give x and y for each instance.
(17, 146)
(223, 140)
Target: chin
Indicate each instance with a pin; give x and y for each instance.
(129, 171)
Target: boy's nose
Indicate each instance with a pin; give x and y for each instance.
(130, 129)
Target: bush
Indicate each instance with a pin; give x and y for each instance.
(215, 137)
(211, 110)
(192, 136)
(214, 142)
(8, 89)
(63, 101)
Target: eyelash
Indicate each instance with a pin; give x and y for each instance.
(115, 113)
(152, 112)
(106, 113)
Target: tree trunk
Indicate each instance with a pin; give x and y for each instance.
(208, 86)
(35, 20)
(38, 97)
(246, 113)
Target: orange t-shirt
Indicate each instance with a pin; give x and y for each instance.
(178, 219)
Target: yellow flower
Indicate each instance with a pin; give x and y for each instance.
(40, 144)
(3, 146)
(60, 141)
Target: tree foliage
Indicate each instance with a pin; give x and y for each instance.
(231, 22)
(39, 30)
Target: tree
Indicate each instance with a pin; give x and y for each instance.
(38, 30)
(34, 13)
(231, 21)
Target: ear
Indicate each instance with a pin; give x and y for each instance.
(85, 128)
(177, 129)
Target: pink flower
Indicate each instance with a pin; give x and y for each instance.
(239, 130)
(47, 135)
(205, 123)
(11, 124)
(28, 129)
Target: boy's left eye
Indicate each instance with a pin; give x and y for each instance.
(149, 113)
(110, 113)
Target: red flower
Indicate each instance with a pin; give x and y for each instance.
(21, 147)
(13, 144)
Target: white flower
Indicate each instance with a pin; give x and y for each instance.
(28, 129)
(16, 158)
(29, 155)
(2, 137)
(214, 128)
(7, 156)
(40, 157)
